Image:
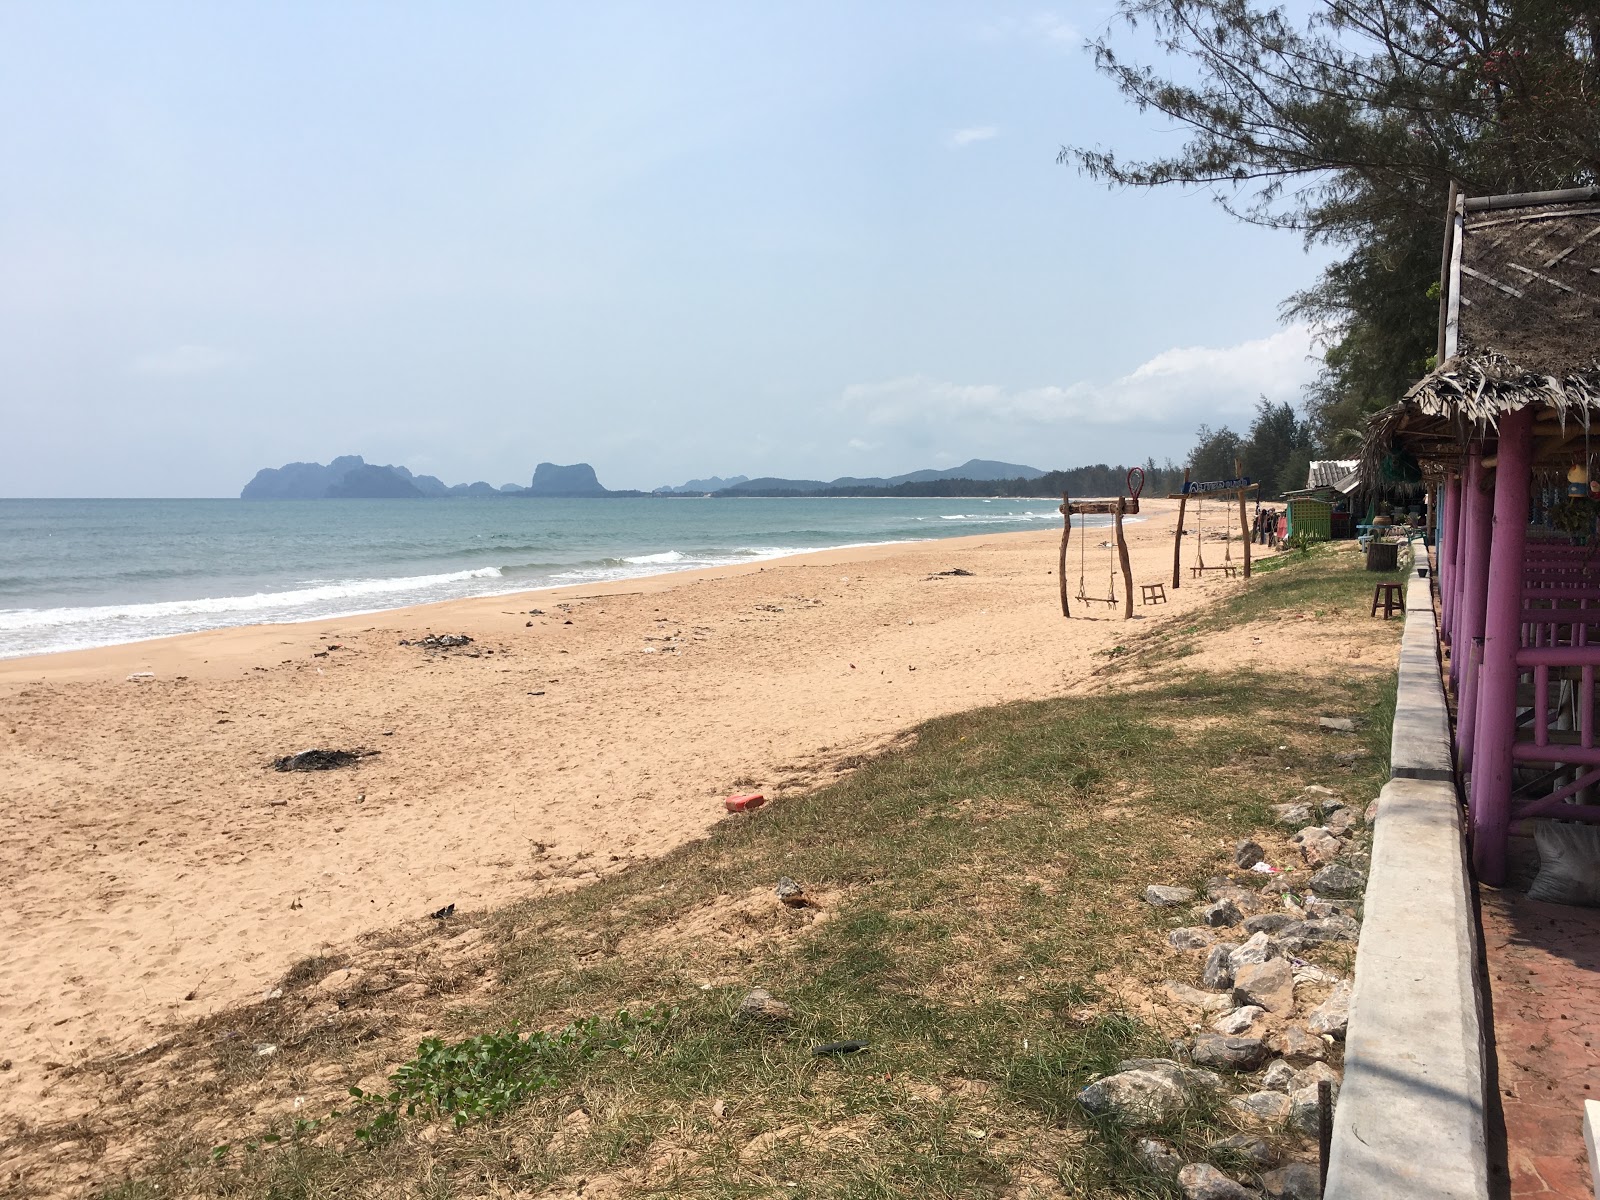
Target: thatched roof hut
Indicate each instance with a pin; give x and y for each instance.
(1519, 326)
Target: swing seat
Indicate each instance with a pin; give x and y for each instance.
(1228, 568)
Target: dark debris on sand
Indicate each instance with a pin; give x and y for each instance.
(320, 760)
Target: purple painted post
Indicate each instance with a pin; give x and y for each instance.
(1471, 593)
(1450, 517)
(1502, 635)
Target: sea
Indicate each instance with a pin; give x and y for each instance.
(79, 573)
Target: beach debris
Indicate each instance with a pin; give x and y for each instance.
(447, 911)
(962, 571)
(791, 893)
(1163, 896)
(1247, 854)
(536, 612)
(1337, 724)
(759, 1007)
(141, 676)
(1262, 868)
(440, 641)
(1202, 1181)
(827, 1048)
(744, 802)
(320, 760)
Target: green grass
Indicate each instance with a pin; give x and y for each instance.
(979, 926)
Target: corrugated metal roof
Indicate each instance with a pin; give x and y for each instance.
(1329, 472)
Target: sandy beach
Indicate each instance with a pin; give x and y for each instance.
(158, 869)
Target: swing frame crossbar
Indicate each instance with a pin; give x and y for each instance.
(1183, 499)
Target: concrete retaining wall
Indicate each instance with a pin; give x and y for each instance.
(1411, 1117)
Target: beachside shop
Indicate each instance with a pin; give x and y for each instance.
(1503, 437)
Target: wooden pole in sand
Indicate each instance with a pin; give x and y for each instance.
(1066, 532)
(1244, 521)
(1127, 571)
(1177, 538)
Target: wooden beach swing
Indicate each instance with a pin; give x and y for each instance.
(1118, 508)
(1240, 487)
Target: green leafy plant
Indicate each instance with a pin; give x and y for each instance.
(1573, 515)
(491, 1073)
(1302, 541)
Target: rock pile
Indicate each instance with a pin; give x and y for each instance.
(1266, 1022)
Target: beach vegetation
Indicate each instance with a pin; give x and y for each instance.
(971, 913)
(1348, 122)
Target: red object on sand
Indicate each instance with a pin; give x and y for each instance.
(744, 802)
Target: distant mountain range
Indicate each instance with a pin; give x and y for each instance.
(978, 470)
(350, 477)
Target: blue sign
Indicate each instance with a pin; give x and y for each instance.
(1216, 485)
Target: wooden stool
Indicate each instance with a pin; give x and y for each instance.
(1153, 593)
(1392, 597)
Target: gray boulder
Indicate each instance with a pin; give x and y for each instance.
(1193, 997)
(1304, 1107)
(1269, 984)
(1259, 948)
(1266, 1108)
(1220, 1052)
(759, 1008)
(1257, 1151)
(1267, 922)
(1339, 882)
(1191, 937)
(1297, 1045)
(1218, 971)
(1293, 1181)
(1247, 854)
(1157, 1156)
(1220, 914)
(1239, 1020)
(1202, 1181)
(1292, 816)
(1147, 1091)
(1163, 896)
(1332, 1016)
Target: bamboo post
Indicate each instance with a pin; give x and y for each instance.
(1244, 520)
(1177, 538)
(1066, 533)
(1127, 571)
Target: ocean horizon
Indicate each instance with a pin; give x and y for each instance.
(82, 573)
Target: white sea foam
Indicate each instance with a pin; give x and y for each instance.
(666, 556)
(214, 606)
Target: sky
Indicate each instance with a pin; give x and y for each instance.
(671, 241)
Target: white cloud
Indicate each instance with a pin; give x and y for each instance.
(183, 360)
(1182, 386)
(973, 133)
